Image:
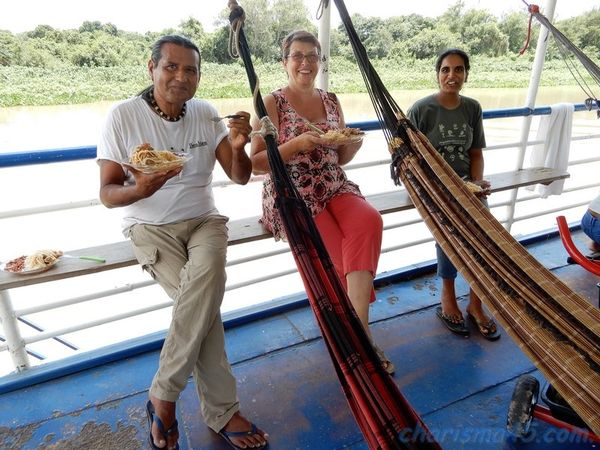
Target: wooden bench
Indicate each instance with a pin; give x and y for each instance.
(120, 254)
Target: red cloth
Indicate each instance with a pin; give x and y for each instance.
(352, 231)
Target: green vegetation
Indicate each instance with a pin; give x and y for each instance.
(98, 62)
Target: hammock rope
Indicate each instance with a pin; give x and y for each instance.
(384, 416)
(568, 52)
(555, 327)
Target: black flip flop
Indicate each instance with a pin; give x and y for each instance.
(153, 418)
(490, 336)
(459, 328)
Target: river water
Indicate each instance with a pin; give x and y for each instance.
(45, 127)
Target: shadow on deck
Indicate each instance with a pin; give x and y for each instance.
(287, 385)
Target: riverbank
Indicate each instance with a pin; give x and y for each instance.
(27, 86)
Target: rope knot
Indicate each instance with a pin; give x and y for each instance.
(237, 16)
(266, 128)
(237, 12)
(533, 9)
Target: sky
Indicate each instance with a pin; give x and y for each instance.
(153, 15)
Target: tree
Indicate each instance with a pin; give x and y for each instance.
(584, 30)
(44, 32)
(514, 26)
(90, 26)
(10, 49)
(110, 28)
(404, 28)
(258, 30)
(429, 43)
(373, 34)
(485, 39)
(215, 46)
(290, 15)
(193, 29)
(452, 17)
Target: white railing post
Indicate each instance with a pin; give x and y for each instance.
(14, 341)
(534, 81)
(324, 33)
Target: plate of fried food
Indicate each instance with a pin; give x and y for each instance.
(473, 187)
(343, 136)
(148, 160)
(37, 262)
(479, 187)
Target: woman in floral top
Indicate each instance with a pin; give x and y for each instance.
(349, 226)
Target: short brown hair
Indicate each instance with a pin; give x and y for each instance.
(298, 35)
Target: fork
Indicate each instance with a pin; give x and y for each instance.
(228, 116)
(313, 127)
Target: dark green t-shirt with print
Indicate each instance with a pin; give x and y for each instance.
(453, 132)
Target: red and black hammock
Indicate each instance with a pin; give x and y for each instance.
(384, 416)
(557, 328)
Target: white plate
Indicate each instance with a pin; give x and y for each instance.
(29, 272)
(343, 141)
(339, 139)
(181, 159)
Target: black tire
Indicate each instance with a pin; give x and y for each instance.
(520, 410)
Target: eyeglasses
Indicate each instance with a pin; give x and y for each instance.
(299, 57)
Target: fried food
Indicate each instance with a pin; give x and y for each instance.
(41, 259)
(395, 143)
(144, 155)
(342, 134)
(473, 187)
(15, 265)
(38, 261)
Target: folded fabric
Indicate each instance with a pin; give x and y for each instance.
(555, 130)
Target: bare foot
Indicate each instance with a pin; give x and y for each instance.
(239, 424)
(166, 413)
(450, 307)
(478, 313)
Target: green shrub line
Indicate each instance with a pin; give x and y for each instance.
(27, 86)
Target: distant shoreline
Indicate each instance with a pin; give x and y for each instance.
(26, 86)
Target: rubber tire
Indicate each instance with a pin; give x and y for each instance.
(520, 411)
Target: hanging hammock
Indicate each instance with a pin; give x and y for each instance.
(568, 50)
(555, 327)
(384, 416)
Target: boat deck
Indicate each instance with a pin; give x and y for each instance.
(287, 385)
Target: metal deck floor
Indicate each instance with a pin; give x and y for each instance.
(287, 386)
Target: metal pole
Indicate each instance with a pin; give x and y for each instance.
(14, 341)
(324, 33)
(534, 81)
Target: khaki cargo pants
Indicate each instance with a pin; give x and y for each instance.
(188, 260)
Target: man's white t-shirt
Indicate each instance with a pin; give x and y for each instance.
(187, 196)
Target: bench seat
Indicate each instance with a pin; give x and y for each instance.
(120, 254)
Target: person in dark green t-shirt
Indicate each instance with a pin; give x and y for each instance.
(454, 125)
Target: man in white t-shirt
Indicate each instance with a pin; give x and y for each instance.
(178, 235)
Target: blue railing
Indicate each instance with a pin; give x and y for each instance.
(89, 151)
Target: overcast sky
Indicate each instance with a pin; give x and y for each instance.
(153, 15)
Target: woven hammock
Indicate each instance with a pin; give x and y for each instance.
(384, 416)
(555, 327)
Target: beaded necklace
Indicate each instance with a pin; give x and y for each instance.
(149, 97)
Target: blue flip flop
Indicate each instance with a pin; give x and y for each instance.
(227, 435)
(153, 418)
